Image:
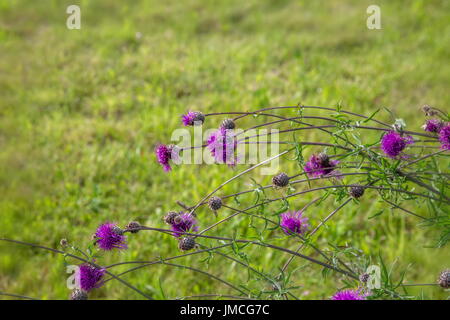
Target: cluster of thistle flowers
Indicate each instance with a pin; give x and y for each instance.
(222, 145)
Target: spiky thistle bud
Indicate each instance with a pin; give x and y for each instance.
(186, 243)
(169, 218)
(64, 243)
(356, 191)
(117, 230)
(228, 124)
(364, 277)
(215, 203)
(444, 279)
(78, 294)
(280, 180)
(133, 226)
(429, 111)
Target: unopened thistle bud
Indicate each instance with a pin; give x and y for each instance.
(364, 277)
(186, 244)
(228, 124)
(169, 218)
(444, 279)
(356, 191)
(133, 226)
(215, 203)
(78, 294)
(429, 111)
(280, 180)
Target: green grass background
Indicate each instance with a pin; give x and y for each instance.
(81, 112)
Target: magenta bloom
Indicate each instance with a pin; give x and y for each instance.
(433, 125)
(109, 236)
(444, 137)
(320, 165)
(184, 222)
(89, 277)
(349, 295)
(192, 117)
(294, 222)
(222, 144)
(393, 143)
(164, 154)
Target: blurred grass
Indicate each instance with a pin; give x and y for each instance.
(81, 111)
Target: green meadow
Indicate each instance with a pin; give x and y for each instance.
(81, 112)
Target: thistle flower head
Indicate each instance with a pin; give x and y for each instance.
(89, 277)
(348, 295)
(320, 165)
(228, 124)
(280, 180)
(294, 222)
(109, 236)
(184, 222)
(444, 279)
(78, 294)
(169, 218)
(186, 243)
(432, 125)
(356, 191)
(164, 154)
(222, 144)
(192, 118)
(133, 226)
(393, 143)
(215, 203)
(444, 137)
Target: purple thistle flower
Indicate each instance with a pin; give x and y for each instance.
(393, 143)
(320, 165)
(433, 125)
(294, 222)
(109, 236)
(444, 137)
(164, 154)
(89, 277)
(192, 117)
(184, 222)
(349, 295)
(222, 144)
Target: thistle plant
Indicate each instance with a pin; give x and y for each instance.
(354, 156)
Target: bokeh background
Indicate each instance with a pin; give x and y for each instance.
(82, 110)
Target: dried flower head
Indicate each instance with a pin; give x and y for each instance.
(133, 226)
(215, 203)
(280, 180)
(78, 294)
(349, 295)
(109, 236)
(228, 124)
(356, 191)
(320, 165)
(393, 143)
(184, 222)
(433, 125)
(89, 277)
(186, 243)
(165, 153)
(193, 118)
(294, 222)
(444, 137)
(222, 144)
(444, 279)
